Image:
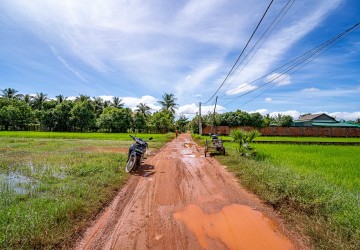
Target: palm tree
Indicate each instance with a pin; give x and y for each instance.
(168, 102)
(27, 98)
(10, 93)
(39, 100)
(60, 98)
(99, 105)
(117, 102)
(82, 98)
(143, 109)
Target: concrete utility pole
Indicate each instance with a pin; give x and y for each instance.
(200, 125)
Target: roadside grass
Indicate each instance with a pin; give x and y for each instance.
(307, 139)
(316, 187)
(51, 187)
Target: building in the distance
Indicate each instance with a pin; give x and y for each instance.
(321, 120)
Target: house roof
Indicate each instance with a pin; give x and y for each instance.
(312, 117)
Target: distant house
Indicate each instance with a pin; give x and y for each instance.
(321, 120)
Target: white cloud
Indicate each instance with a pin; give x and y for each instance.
(132, 102)
(310, 90)
(260, 111)
(294, 113)
(282, 41)
(279, 79)
(67, 65)
(268, 99)
(242, 88)
(347, 116)
(192, 109)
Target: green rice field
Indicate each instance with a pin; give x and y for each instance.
(51, 184)
(307, 139)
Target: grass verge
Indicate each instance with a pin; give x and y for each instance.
(316, 188)
(50, 187)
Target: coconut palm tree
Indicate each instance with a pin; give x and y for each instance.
(82, 98)
(27, 98)
(117, 102)
(39, 100)
(168, 102)
(99, 105)
(60, 98)
(143, 109)
(10, 93)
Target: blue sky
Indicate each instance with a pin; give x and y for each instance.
(138, 50)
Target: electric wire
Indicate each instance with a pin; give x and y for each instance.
(323, 48)
(263, 38)
(294, 71)
(241, 53)
(296, 62)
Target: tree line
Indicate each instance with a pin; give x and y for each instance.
(40, 113)
(83, 114)
(241, 118)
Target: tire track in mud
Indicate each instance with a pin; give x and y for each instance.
(180, 200)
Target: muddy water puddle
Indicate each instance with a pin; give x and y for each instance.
(236, 226)
(17, 183)
(190, 150)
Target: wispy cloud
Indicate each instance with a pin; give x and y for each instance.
(283, 40)
(242, 88)
(279, 79)
(66, 64)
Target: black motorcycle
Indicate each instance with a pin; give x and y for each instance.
(136, 153)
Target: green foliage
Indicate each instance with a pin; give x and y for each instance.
(82, 116)
(15, 116)
(243, 139)
(162, 121)
(182, 123)
(115, 119)
(139, 122)
(168, 103)
(194, 125)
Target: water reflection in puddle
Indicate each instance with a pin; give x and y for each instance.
(17, 183)
(27, 180)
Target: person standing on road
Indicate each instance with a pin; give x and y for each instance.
(176, 133)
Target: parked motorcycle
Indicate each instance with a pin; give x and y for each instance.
(136, 153)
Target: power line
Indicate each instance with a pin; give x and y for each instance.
(241, 52)
(265, 35)
(298, 62)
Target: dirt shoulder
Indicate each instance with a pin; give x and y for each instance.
(180, 200)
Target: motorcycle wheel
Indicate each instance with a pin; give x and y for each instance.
(130, 165)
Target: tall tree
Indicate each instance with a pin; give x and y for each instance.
(117, 102)
(38, 100)
(168, 102)
(143, 109)
(10, 93)
(99, 106)
(27, 98)
(60, 98)
(82, 98)
(82, 116)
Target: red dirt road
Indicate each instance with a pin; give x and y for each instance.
(180, 200)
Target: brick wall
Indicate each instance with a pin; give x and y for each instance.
(290, 131)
